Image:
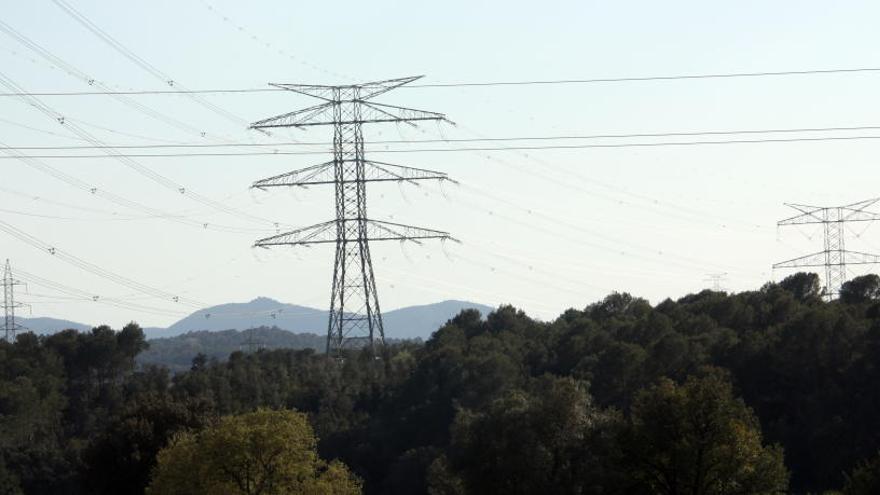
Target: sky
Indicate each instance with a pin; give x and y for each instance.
(544, 230)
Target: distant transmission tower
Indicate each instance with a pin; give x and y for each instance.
(717, 280)
(355, 318)
(9, 304)
(250, 343)
(835, 256)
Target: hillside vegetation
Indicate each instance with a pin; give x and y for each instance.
(767, 391)
(176, 353)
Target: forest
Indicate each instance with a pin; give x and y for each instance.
(767, 391)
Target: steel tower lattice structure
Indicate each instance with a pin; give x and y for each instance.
(355, 318)
(717, 280)
(835, 256)
(9, 304)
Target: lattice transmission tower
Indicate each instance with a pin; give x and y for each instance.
(835, 256)
(717, 280)
(9, 305)
(355, 318)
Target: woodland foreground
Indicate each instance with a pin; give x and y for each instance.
(769, 391)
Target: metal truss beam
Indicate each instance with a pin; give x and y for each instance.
(325, 114)
(374, 171)
(325, 233)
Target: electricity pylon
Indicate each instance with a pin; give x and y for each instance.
(717, 280)
(9, 304)
(250, 343)
(835, 256)
(355, 318)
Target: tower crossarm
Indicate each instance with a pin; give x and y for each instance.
(856, 212)
(860, 216)
(388, 231)
(380, 112)
(861, 205)
(325, 173)
(320, 91)
(321, 233)
(810, 260)
(370, 113)
(804, 208)
(383, 171)
(316, 115)
(809, 214)
(859, 258)
(316, 174)
(816, 214)
(326, 233)
(366, 90)
(819, 259)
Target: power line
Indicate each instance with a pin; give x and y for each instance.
(76, 73)
(141, 62)
(79, 295)
(654, 202)
(488, 139)
(595, 239)
(127, 160)
(122, 200)
(93, 268)
(465, 149)
(74, 219)
(262, 42)
(565, 137)
(676, 77)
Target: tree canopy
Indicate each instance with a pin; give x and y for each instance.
(260, 453)
(711, 393)
(697, 438)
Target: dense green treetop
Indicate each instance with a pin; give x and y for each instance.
(759, 388)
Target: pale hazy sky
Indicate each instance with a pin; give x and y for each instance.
(543, 230)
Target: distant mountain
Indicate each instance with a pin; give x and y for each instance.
(421, 321)
(261, 312)
(42, 326)
(405, 323)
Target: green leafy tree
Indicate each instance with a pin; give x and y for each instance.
(547, 439)
(260, 453)
(120, 460)
(805, 287)
(861, 289)
(698, 439)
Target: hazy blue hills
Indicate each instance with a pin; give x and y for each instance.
(421, 321)
(261, 312)
(404, 323)
(41, 325)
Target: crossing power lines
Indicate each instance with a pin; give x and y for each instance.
(567, 137)
(463, 84)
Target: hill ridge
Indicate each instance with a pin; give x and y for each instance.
(409, 322)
